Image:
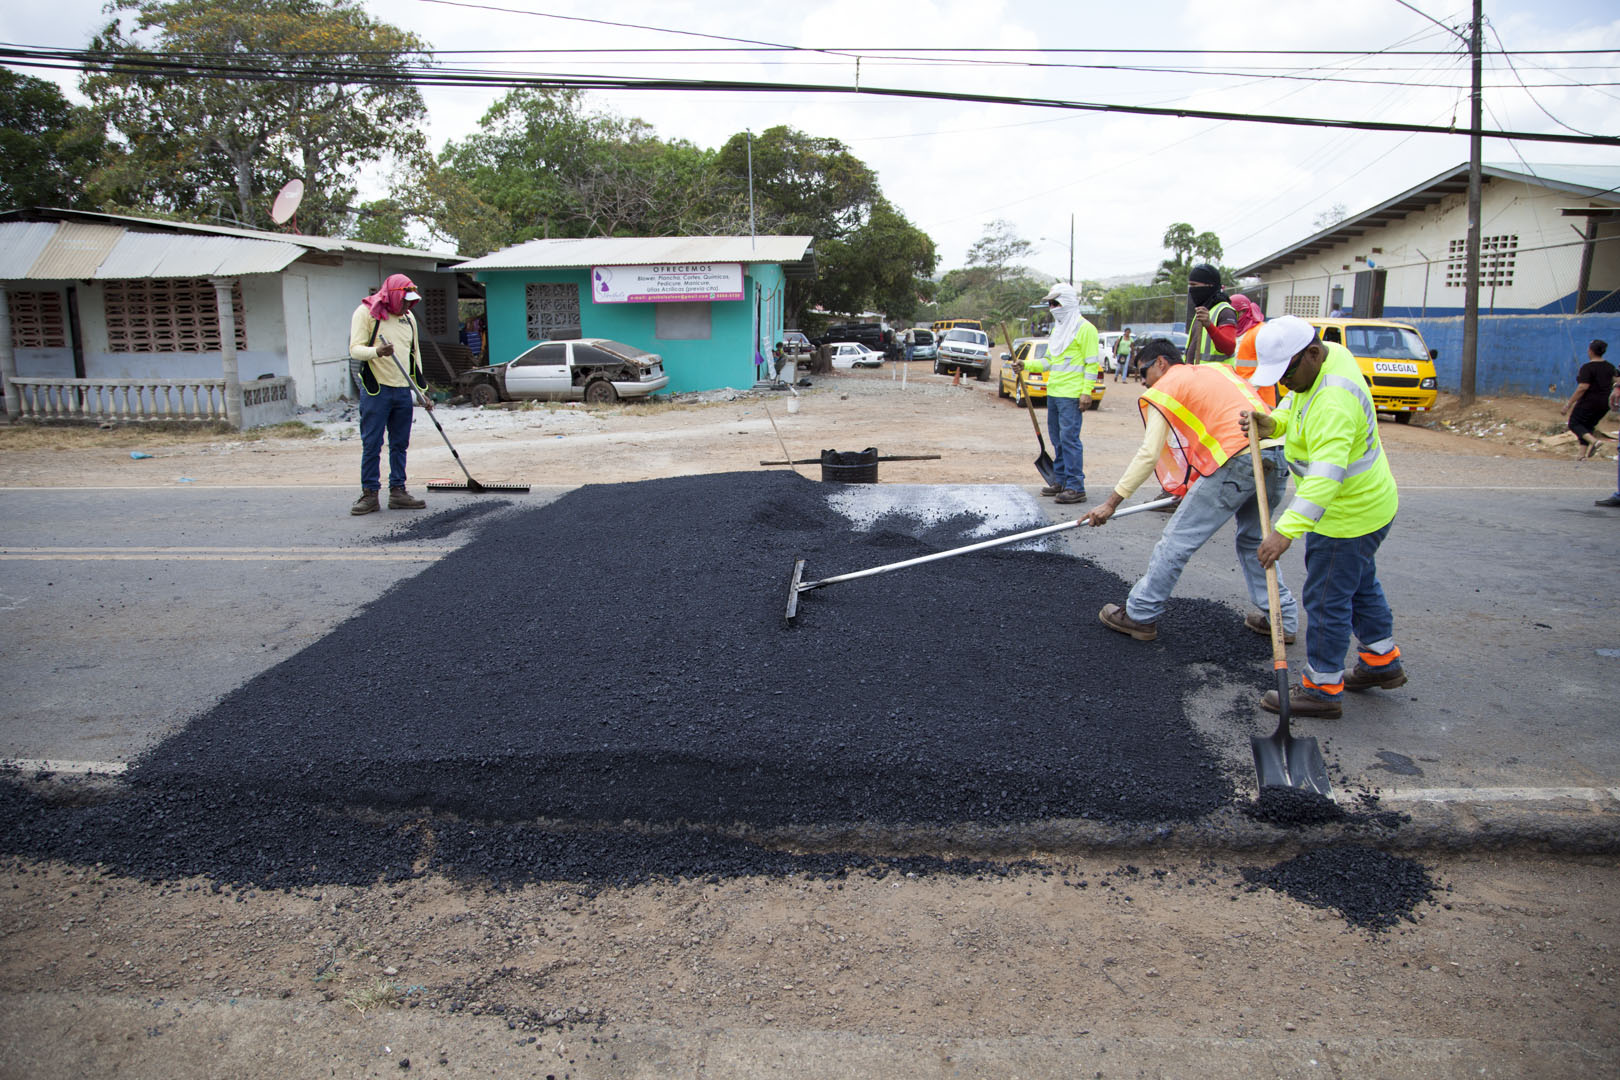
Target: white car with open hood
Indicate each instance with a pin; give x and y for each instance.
(594, 370)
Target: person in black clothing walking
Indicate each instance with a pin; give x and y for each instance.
(1590, 401)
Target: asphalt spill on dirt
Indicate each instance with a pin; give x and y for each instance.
(1297, 808)
(587, 691)
(1367, 887)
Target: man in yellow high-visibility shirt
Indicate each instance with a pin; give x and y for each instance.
(1344, 503)
(1071, 367)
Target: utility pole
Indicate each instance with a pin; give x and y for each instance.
(1071, 248)
(752, 242)
(1470, 341)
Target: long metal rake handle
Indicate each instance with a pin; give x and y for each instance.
(982, 545)
(394, 356)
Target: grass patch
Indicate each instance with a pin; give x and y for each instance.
(287, 429)
(379, 995)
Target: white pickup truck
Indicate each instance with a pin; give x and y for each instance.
(961, 349)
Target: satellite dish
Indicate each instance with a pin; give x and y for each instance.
(285, 204)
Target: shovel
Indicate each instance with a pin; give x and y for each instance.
(1043, 464)
(1281, 760)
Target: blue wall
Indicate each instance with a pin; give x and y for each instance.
(1519, 354)
(725, 359)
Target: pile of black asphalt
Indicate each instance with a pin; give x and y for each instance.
(1369, 888)
(602, 690)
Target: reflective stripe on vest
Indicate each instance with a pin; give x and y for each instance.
(1369, 457)
(1206, 344)
(1194, 446)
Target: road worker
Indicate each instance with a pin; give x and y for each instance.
(1199, 451)
(1344, 503)
(1071, 367)
(1213, 311)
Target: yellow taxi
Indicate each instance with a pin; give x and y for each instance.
(1025, 349)
(1398, 366)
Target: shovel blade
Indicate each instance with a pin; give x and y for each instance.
(1046, 468)
(1281, 760)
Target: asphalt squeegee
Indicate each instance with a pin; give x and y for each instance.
(451, 485)
(797, 585)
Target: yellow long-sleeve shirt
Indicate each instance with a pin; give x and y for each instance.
(396, 330)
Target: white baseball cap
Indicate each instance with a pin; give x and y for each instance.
(1276, 344)
(412, 295)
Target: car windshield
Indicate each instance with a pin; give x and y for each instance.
(977, 337)
(1385, 343)
(922, 337)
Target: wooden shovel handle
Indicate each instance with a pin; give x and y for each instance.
(1279, 651)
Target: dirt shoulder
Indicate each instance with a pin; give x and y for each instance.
(979, 437)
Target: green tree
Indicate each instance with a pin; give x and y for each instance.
(47, 146)
(199, 148)
(1179, 240)
(999, 250)
(867, 253)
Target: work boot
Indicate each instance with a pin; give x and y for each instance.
(400, 499)
(1612, 500)
(1052, 489)
(1366, 677)
(1303, 701)
(1260, 623)
(365, 504)
(1113, 616)
(1069, 495)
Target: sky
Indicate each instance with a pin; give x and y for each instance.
(1118, 180)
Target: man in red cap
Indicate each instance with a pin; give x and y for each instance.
(381, 331)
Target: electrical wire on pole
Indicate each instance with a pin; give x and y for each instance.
(1470, 338)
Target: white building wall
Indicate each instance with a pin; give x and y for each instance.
(1415, 253)
(333, 294)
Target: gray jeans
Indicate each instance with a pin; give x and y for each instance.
(1227, 493)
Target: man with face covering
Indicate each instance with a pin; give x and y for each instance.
(384, 338)
(1213, 311)
(1071, 367)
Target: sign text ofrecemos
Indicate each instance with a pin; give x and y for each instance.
(667, 283)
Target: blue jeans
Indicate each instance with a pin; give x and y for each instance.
(1063, 417)
(1342, 594)
(388, 411)
(1227, 493)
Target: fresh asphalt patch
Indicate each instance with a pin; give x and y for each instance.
(601, 690)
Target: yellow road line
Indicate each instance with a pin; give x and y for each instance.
(226, 554)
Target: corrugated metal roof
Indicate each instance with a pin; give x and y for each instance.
(308, 243)
(642, 251)
(176, 255)
(20, 244)
(75, 250)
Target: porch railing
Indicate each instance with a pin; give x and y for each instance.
(265, 401)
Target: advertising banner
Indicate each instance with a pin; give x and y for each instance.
(667, 283)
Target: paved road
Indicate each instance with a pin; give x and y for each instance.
(126, 611)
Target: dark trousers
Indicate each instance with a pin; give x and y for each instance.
(386, 412)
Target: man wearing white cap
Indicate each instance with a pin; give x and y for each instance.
(384, 338)
(1344, 503)
(1071, 365)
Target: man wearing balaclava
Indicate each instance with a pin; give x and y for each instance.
(1214, 313)
(1071, 367)
(384, 338)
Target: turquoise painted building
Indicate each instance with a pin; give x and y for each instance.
(711, 306)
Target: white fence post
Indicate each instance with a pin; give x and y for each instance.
(227, 350)
(8, 357)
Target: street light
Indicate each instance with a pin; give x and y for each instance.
(1069, 245)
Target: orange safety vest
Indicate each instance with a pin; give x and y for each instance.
(1246, 359)
(1201, 402)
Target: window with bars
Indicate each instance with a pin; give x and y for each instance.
(435, 312)
(37, 319)
(1497, 257)
(1305, 306)
(168, 315)
(552, 310)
